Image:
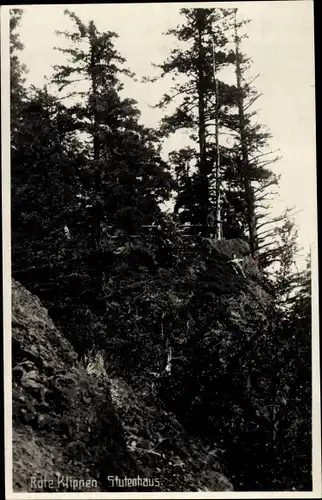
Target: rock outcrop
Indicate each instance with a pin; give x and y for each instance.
(74, 428)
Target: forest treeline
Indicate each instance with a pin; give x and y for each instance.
(119, 274)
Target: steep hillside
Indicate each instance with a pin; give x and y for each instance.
(74, 428)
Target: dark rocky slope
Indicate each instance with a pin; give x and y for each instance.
(72, 421)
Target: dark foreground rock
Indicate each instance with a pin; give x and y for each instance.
(74, 429)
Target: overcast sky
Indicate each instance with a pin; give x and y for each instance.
(280, 44)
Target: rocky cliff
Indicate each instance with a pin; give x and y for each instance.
(76, 429)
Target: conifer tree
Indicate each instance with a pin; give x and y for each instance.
(40, 149)
(244, 150)
(98, 65)
(126, 177)
(17, 69)
(45, 163)
(250, 155)
(121, 148)
(291, 383)
(201, 97)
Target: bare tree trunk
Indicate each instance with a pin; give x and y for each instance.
(249, 192)
(204, 190)
(218, 233)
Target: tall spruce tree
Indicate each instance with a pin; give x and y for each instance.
(249, 152)
(202, 99)
(126, 177)
(45, 177)
(17, 69)
(121, 149)
(43, 152)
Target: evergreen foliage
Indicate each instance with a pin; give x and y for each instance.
(227, 350)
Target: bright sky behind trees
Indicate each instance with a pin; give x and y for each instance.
(280, 43)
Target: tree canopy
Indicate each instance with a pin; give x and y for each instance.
(189, 292)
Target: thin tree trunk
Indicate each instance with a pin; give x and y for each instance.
(218, 234)
(204, 191)
(249, 193)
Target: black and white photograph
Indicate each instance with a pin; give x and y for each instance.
(161, 327)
